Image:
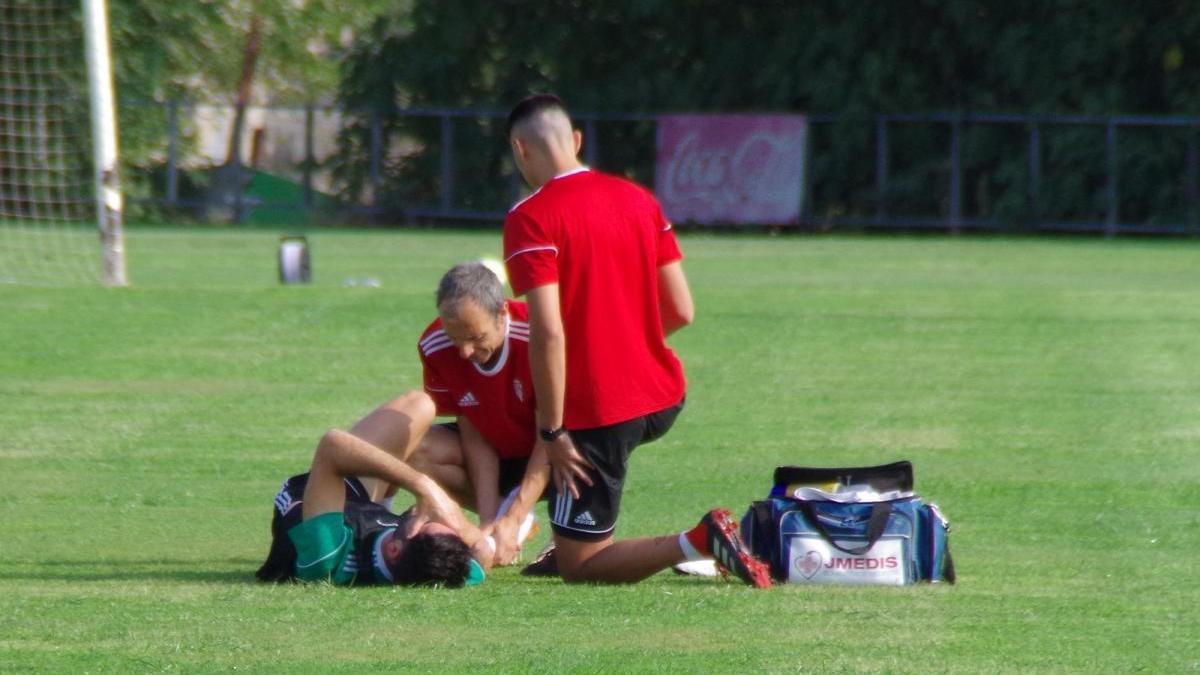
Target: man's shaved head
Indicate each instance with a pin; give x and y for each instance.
(543, 141)
(535, 106)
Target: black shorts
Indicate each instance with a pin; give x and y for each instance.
(512, 471)
(594, 515)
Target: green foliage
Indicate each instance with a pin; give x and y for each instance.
(160, 51)
(851, 59)
(1046, 391)
(192, 51)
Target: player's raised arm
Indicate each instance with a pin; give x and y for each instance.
(341, 454)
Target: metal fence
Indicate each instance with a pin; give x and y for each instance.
(948, 172)
(954, 218)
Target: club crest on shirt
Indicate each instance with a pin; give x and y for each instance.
(519, 390)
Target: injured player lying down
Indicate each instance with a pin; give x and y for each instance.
(326, 527)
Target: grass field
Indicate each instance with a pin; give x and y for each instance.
(1047, 391)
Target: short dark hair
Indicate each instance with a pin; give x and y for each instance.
(471, 280)
(530, 106)
(433, 559)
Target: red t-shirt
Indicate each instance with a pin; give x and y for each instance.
(601, 239)
(500, 401)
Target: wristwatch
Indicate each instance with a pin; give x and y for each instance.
(551, 434)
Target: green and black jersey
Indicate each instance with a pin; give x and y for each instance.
(341, 548)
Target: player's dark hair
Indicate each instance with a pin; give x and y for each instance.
(530, 106)
(433, 559)
(470, 280)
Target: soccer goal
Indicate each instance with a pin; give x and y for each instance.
(60, 199)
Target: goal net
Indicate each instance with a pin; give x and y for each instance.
(48, 215)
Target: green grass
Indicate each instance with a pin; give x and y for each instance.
(1047, 391)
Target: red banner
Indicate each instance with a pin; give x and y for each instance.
(739, 169)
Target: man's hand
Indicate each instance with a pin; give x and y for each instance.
(434, 505)
(504, 532)
(566, 464)
(484, 554)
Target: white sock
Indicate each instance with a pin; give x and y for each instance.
(689, 552)
(508, 502)
(526, 524)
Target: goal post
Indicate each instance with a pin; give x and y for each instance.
(59, 176)
(109, 206)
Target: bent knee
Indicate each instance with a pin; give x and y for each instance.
(573, 561)
(333, 436)
(572, 573)
(416, 404)
(574, 576)
(329, 440)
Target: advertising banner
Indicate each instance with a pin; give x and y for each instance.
(731, 169)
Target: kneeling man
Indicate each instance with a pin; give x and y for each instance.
(476, 368)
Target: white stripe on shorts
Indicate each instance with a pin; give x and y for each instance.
(562, 509)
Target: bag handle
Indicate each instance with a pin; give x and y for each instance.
(875, 526)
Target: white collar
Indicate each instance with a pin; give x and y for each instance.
(571, 172)
(377, 556)
(491, 372)
(564, 174)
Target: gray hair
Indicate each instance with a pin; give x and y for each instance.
(473, 281)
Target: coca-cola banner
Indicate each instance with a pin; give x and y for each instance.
(743, 169)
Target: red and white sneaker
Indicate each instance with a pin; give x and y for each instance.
(716, 536)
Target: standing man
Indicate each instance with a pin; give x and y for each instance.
(602, 274)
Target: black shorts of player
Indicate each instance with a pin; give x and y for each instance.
(511, 470)
(593, 515)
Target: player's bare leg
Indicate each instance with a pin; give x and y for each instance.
(616, 562)
(631, 560)
(396, 427)
(439, 455)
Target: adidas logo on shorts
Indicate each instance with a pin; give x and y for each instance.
(585, 518)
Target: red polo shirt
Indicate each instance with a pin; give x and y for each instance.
(601, 239)
(499, 401)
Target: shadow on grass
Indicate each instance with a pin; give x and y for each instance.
(238, 571)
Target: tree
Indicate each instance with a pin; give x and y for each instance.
(198, 50)
(852, 59)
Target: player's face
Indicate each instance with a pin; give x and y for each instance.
(476, 334)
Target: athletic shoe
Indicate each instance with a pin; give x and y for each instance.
(716, 536)
(545, 565)
(697, 568)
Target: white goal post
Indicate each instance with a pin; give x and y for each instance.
(59, 177)
(109, 207)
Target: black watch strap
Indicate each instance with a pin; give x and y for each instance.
(551, 434)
